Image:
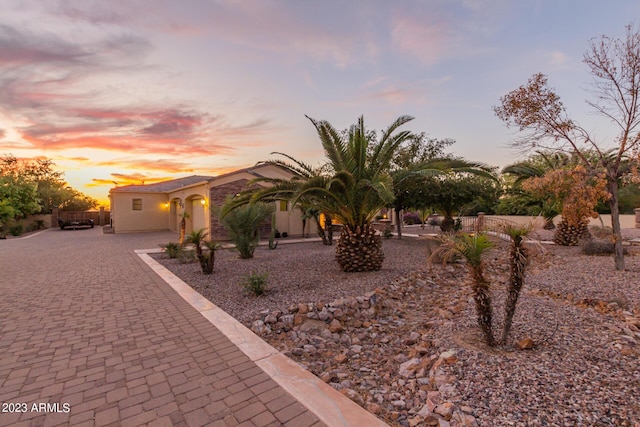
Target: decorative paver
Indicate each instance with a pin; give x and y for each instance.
(90, 335)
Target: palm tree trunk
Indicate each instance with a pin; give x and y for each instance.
(183, 230)
(482, 298)
(516, 280)
(359, 249)
(398, 223)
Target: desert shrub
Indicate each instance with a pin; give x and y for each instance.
(386, 233)
(32, 227)
(16, 229)
(601, 232)
(255, 283)
(598, 247)
(411, 218)
(186, 256)
(435, 221)
(172, 249)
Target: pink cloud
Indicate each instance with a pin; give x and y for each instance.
(429, 42)
(164, 165)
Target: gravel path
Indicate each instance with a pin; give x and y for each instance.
(583, 316)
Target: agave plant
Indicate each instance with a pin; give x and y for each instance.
(472, 248)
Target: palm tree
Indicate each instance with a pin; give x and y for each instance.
(351, 189)
(472, 249)
(243, 224)
(206, 259)
(518, 263)
(183, 227)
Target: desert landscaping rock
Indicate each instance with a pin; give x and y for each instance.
(404, 343)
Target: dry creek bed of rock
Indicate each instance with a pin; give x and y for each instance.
(404, 344)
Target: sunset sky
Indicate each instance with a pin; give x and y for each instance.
(126, 91)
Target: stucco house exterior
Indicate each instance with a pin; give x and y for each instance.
(160, 206)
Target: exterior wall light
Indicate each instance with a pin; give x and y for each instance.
(203, 202)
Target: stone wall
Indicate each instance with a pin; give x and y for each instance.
(217, 197)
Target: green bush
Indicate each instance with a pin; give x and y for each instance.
(186, 256)
(16, 229)
(255, 284)
(386, 233)
(243, 223)
(172, 249)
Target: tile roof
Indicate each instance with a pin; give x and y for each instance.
(164, 186)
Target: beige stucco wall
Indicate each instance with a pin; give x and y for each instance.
(154, 214)
(291, 221)
(626, 221)
(191, 199)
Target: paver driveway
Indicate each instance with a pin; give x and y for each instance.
(91, 336)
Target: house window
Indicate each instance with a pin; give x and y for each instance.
(283, 205)
(136, 204)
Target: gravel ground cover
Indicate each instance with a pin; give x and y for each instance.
(582, 315)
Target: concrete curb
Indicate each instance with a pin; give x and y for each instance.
(324, 401)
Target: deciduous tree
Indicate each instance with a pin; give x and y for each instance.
(578, 192)
(536, 110)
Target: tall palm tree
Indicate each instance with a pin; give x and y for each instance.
(354, 185)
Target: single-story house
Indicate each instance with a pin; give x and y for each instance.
(160, 206)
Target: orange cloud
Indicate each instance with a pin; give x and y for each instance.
(164, 165)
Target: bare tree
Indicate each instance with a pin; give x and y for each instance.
(536, 110)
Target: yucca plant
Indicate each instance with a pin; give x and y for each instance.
(196, 238)
(206, 258)
(518, 262)
(243, 224)
(472, 248)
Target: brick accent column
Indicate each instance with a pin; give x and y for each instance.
(101, 215)
(637, 211)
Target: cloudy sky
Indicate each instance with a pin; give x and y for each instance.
(139, 90)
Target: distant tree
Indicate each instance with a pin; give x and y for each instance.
(19, 196)
(51, 189)
(460, 193)
(534, 167)
(420, 149)
(536, 110)
(415, 186)
(578, 192)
